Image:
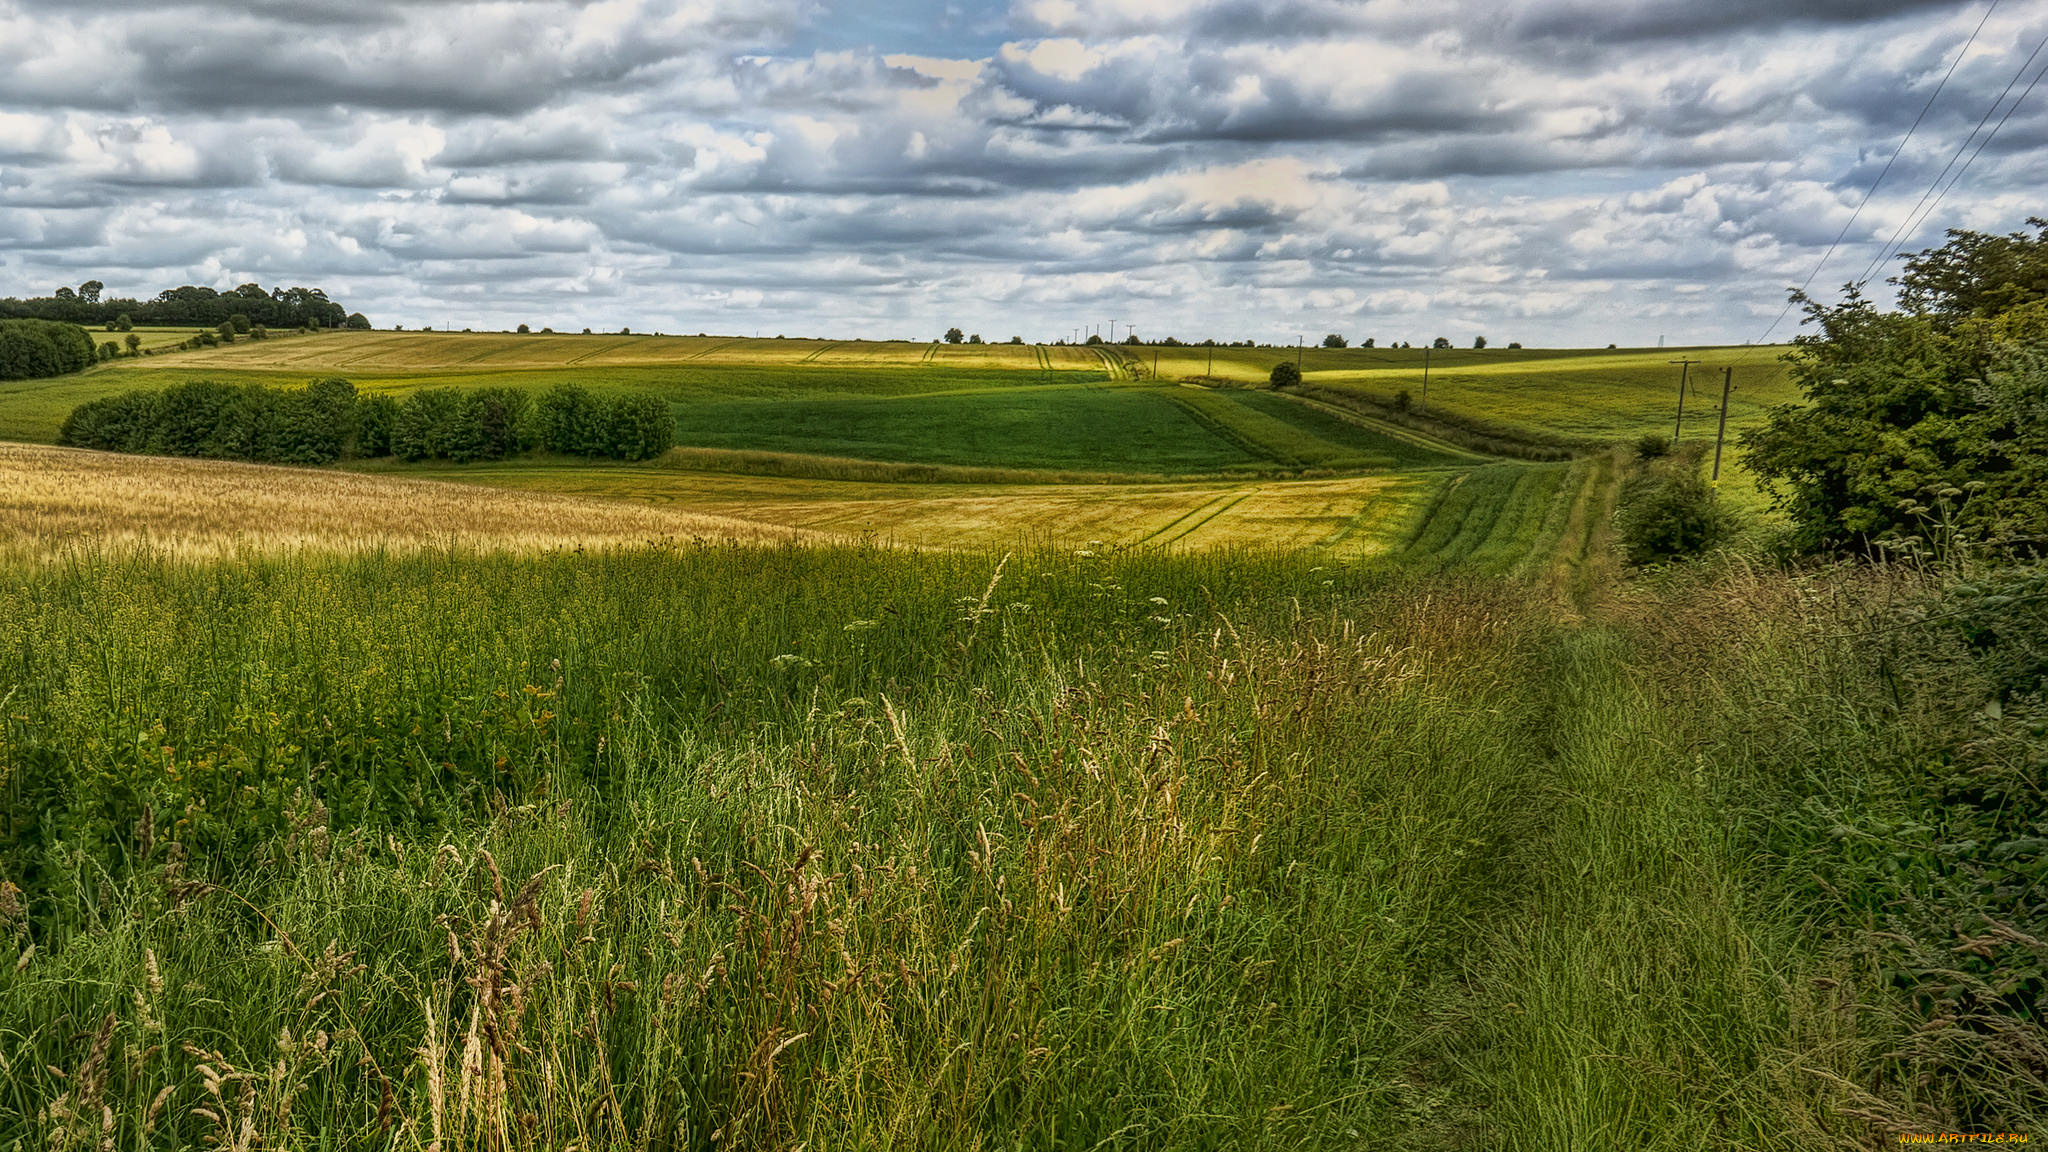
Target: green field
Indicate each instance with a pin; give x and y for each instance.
(988, 747)
(1575, 393)
(1005, 431)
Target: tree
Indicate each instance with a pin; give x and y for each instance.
(1478, 343)
(239, 322)
(227, 331)
(1336, 340)
(1440, 342)
(134, 343)
(357, 322)
(523, 330)
(123, 324)
(954, 336)
(31, 348)
(1366, 343)
(1923, 427)
(90, 291)
(1285, 375)
(1094, 338)
(1976, 275)
(1514, 344)
(421, 427)
(1016, 339)
(974, 339)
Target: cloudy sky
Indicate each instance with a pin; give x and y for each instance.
(1551, 171)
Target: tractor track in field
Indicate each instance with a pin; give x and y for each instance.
(1384, 428)
(1194, 520)
(820, 351)
(1225, 432)
(722, 344)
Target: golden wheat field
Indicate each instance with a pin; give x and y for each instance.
(51, 498)
(1351, 517)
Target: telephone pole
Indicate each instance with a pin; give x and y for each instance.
(1298, 338)
(1684, 369)
(1425, 373)
(1720, 434)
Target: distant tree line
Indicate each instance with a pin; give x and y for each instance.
(30, 348)
(328, 420)
(188, 306)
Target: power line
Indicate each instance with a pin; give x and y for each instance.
(1916, 218)
(1885, 171)
(1985, 143)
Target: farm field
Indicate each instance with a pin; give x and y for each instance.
(56, 500)
(926, 754)
(1350, 517)
(1572, 393)
(969, 445)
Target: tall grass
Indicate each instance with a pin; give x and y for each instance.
(740, 847)
(834, 847)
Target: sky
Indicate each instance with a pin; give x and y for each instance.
(1554, 172)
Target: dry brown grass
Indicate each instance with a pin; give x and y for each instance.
(54, 498)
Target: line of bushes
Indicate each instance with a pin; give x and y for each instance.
(32, 348)
(327, 421)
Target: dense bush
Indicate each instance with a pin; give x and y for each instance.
(1667, 512)
(327, 421)
(311, 425)
(1922, 429)
(31, 348)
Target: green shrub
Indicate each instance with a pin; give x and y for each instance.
(1285, 375)
(32, 348)
(1651, 445)
(1667, 512)
(425, 421)
(112, 423)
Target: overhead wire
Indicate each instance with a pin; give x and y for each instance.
(1917, 219)
(1885, 171)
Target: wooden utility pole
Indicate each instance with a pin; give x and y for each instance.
(1684, 369)
(1297, 352)
(1720, 434)
(1210, 372)
(1425, 373)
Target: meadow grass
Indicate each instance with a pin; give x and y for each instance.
(847, 847)
(715, 847)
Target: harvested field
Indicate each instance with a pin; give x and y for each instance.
(55, 497)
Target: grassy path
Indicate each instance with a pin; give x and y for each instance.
(1620, 996)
